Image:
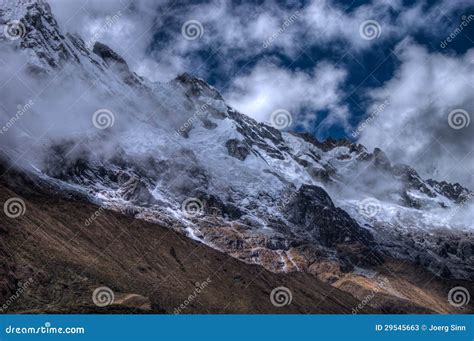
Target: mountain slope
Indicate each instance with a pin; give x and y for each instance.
(68, 259)
(177, 155)
(65, 248)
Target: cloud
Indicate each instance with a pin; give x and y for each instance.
(415, 103)
(414, 127)
(269, 87)
(128, 27)
(328, 22)
(237, 32)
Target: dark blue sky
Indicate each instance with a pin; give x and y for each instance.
(367, 68)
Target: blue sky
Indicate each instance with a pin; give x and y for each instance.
(386, 73)
(367, 67)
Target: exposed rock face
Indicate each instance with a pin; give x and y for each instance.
(237, 149)
(197, 87)
(381, 160)
(108, 55)
(135, 191)
(42, 30)
(214, 206)
(412, 180)
(455, 192)
(313, 209)
(117, 63)
(465, 249)
(256, 135)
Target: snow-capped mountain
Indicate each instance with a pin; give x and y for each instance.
(177, 154)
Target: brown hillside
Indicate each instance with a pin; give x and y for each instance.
(146, 265)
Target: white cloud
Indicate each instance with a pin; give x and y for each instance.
(130, 35)
(328, 22)
(413, 128)
(238, 31)
(425, 88)
(269, 87)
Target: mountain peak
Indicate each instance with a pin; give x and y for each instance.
(107, 54)
(197, 86)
